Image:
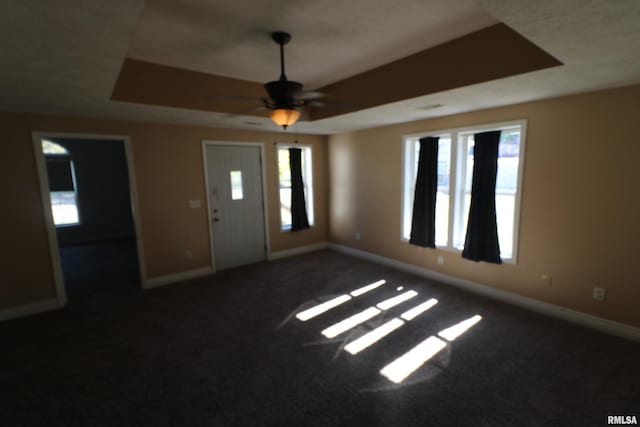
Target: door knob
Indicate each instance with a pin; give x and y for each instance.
(216, 219)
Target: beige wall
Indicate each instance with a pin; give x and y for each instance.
(580, 202)
(579, 220)
(168, 171)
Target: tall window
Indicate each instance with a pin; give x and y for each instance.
(453, 197)
(284, 180)
(62, 184)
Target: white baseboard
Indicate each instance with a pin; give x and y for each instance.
(29, 309)
(177, 277)
(199, 272)
(297, 251)
(604, 325)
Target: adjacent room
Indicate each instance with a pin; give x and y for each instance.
(320, 213)
(98, 253)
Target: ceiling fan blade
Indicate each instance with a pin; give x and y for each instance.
(232, 98)
(247, 112)
(304, 115)
(251, 111)
(334, 105)
(309, 94)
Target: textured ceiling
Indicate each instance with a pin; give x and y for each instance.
(332, 39)
(65, 58)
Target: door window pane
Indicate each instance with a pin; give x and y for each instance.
(236, 185)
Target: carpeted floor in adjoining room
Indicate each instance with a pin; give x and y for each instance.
(228, 350)
(94, 268)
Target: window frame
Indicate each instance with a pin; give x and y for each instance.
(458, 155)
(307, 178)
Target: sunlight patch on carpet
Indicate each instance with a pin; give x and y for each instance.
(316, 310)
(405, 365)
(321, 308)
(460, 328)
(365, 289)
(392, 302)
(409, 362)
(350, 322)
(419, 309)
(382, 331)
(370, 338)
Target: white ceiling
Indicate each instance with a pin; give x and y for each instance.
(65, 60)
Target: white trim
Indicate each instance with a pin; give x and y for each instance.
(30, 309)
(41, 168)
(407, 172)
(265, 210)
(207, 189)
(52, 238)
(466, 129)
(520, 189)
(135, 209)
(603, 325)
(297, 251)
(177, 277)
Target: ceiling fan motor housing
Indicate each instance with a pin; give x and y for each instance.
(282, 93)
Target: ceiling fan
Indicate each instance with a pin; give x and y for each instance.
(285, 97)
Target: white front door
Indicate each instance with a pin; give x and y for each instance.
(234, 175)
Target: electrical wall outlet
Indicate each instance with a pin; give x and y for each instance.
(357, 235)
(188, 255)
(546, 279)
(440, 260)
(598, 293)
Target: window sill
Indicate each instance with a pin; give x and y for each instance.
(288, 228)
(511, 261)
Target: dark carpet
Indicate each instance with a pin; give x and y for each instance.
(99, 267)
(227, 350)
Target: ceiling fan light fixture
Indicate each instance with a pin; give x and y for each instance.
(284, 116)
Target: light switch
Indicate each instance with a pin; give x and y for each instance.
(194, 204)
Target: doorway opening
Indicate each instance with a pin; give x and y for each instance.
(87, 188)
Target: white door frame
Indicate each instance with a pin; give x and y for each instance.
(265, 217)
(43, 179)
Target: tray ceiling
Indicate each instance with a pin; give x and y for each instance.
(67, 60)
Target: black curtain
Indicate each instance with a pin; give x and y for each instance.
(423, 221)
(481, 243)
(59, 174)
(299, 220)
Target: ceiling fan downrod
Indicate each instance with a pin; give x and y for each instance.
(281, 38)
(284, 110)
